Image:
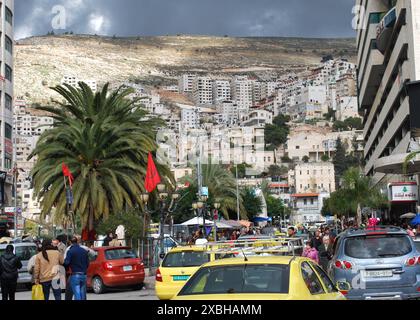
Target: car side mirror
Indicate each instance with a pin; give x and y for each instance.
(162, 256)
(343, 286)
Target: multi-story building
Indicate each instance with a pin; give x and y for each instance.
(242, 93)
(347, 108)
(314, 142)
(258, 118)
(313, 177)
(346, 86)
(389, 90)
(73, 81)
(203, 90)
(185, 83)
(227, 113)
(6, 100)
(221, 91)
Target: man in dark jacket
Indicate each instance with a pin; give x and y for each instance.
(325, 252)
(9, 273)
(77, 259)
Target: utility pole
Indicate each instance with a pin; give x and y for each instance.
(237, 194)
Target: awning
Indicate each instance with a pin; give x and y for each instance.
(262, 219)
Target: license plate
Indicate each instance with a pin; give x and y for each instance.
(127, 268)
(378, 273)
(180, 278)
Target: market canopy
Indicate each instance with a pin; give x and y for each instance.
(416, 220)
(409, 215)
(196, 222)
(262, 219)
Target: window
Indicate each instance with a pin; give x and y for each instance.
(120, 254)
(325, 279)
(8, 131)
(8, 102)
(239, 279)
(311, 279)
(305, 202)
(9, 73)
(185, 259)
(9, 16)
(9, 44)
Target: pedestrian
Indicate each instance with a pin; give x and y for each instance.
(317, 239)
(47, 270)
(325, 252)
(9, 273)
(115, 242)
(77, 260)
(60, 243)
(410, 232)
(30, 267)
(109, 237)
(291, 232)
(310, 252)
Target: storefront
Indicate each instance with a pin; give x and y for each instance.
(403, 197)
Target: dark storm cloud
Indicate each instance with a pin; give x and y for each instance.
(300, 18)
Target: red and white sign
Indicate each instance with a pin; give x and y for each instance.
(8, 146)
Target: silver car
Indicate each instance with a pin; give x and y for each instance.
(24, 251)
(379, 264)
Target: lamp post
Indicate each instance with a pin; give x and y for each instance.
(215, 216)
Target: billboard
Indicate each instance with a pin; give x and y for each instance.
(404, 192)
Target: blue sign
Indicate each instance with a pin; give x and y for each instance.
(205, 191)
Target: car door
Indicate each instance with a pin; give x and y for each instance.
(331, 292)
(312, 281)
(93, 267)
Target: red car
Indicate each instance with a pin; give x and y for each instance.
(114, 267)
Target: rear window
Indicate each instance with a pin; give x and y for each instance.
(372, 247)
(417, 243)
(23, 253)
(117, 254)
(185, 259)
(239, 279)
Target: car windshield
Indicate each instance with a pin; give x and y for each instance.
(117, 254)
(23, 253)
(373, 247)
(239, 279)
(185, 259)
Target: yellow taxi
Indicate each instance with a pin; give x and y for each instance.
(178, 266)
(260, 278)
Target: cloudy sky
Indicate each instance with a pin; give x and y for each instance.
(300, 18)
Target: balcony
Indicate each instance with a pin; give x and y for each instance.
(385, 28)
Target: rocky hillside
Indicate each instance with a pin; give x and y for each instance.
(41, 62)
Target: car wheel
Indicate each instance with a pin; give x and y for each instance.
(98, 285)
(138, 287)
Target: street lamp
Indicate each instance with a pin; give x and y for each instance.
(215, 216)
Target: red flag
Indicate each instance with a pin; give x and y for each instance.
(67, 173)
(152, 175)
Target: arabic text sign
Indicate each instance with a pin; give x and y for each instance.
(404, 193)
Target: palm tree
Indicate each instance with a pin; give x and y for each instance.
(104, 138)
(222, 188)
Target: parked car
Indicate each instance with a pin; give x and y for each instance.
(24, 251)
(260, 278)
(382, 263)
(114, 267)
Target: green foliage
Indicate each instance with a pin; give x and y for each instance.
(325, 158)
(357, 189)
(241, 170)
(276, 133)
(184, 210)
(104, 138)
(251, 202)
(343, 161)
(132, 220)
(275, 207)
(222, 188)
(305, 159)
(330, 114)
(276, 171)
(348, 124)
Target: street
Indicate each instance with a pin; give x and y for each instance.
(147, 293)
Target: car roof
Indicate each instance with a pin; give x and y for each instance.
(187, 248)
(254, 260)
(109, 248)
(356, 232)
(20, 244)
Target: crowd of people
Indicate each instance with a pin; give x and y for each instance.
(56, 260)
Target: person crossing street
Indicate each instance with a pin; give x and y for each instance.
(9, 272)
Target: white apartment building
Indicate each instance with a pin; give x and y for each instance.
(346, 86)
(313, 177)
(258, 118)
(227, 113)
(314, 142)
(73, 81)
(6, 98)
(185, 83)
(221, 91)
(242, 93)
(190, 118)
(203, 90)
(347, 107)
